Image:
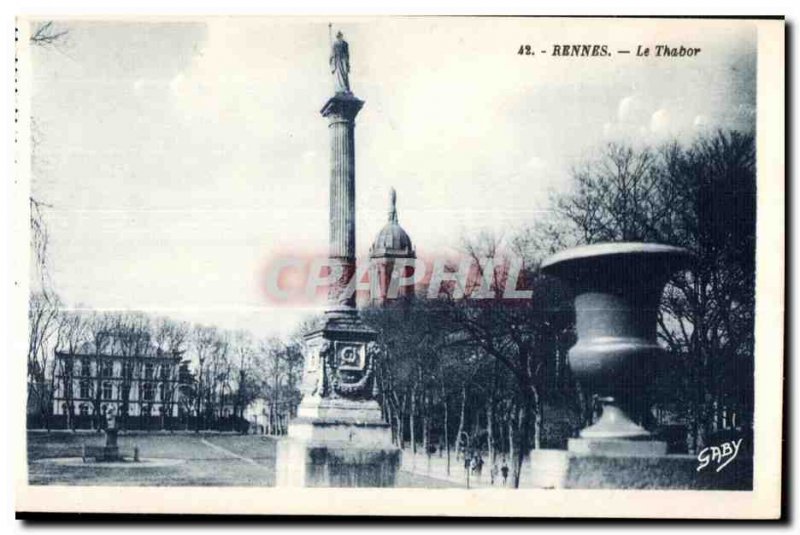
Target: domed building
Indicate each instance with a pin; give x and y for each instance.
(391, 243)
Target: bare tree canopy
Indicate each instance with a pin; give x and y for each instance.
(47, 33)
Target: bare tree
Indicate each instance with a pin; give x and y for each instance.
(43, 324)
(170, 338)
(43, 34)
(98, 327)
(47, 34)
(71, 335)
(702, 197)
(246, 387)
(203, 340)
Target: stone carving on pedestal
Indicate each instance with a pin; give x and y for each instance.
(345, 371)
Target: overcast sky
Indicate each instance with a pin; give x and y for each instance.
(178, 158)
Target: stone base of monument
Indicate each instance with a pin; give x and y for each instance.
(337, 454)
(631, 464)
(102, 454)
(329, 464)
(108, 453)
(337, 443)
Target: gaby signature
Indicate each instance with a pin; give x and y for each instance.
(722, 455)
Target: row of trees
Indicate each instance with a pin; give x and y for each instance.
(496, 374)
(221, 372)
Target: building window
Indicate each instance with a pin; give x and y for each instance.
(83, 368)
(107, 368)
(86, 389)
(148, 370)
(161, 392)
(148, 392)
(165, 369)
(84, 410)
(127, 369)
(107, 390)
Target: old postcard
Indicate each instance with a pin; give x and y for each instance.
(451, 266)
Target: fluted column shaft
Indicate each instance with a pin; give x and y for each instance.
(341, 111)
(342, 198)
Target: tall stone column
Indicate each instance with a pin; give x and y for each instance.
(339, 438)
(341, 111)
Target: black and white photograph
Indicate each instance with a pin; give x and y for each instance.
(482, 262)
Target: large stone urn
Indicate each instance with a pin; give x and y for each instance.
(618, 288)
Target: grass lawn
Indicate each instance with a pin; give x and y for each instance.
(209, 459)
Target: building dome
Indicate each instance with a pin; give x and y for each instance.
(392, 240)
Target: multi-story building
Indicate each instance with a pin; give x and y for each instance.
(88, 382)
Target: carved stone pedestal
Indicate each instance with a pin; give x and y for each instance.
(339, 438)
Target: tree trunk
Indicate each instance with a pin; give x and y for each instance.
(516, 439)
(388, 416)
(411, 422)
(446, 430)
(426, 428)
(510, 423)
(490, 438)
(537, 419)
(400, 430)
(461, 420)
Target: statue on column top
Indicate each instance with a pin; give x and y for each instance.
(340, 64)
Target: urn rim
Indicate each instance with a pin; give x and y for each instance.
(679, 255)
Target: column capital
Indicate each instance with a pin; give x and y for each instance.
(342, 106)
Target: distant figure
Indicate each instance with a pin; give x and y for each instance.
(504, 471)
(340, 64)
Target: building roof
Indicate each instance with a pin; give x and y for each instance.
(114, 349)
(392, 240)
